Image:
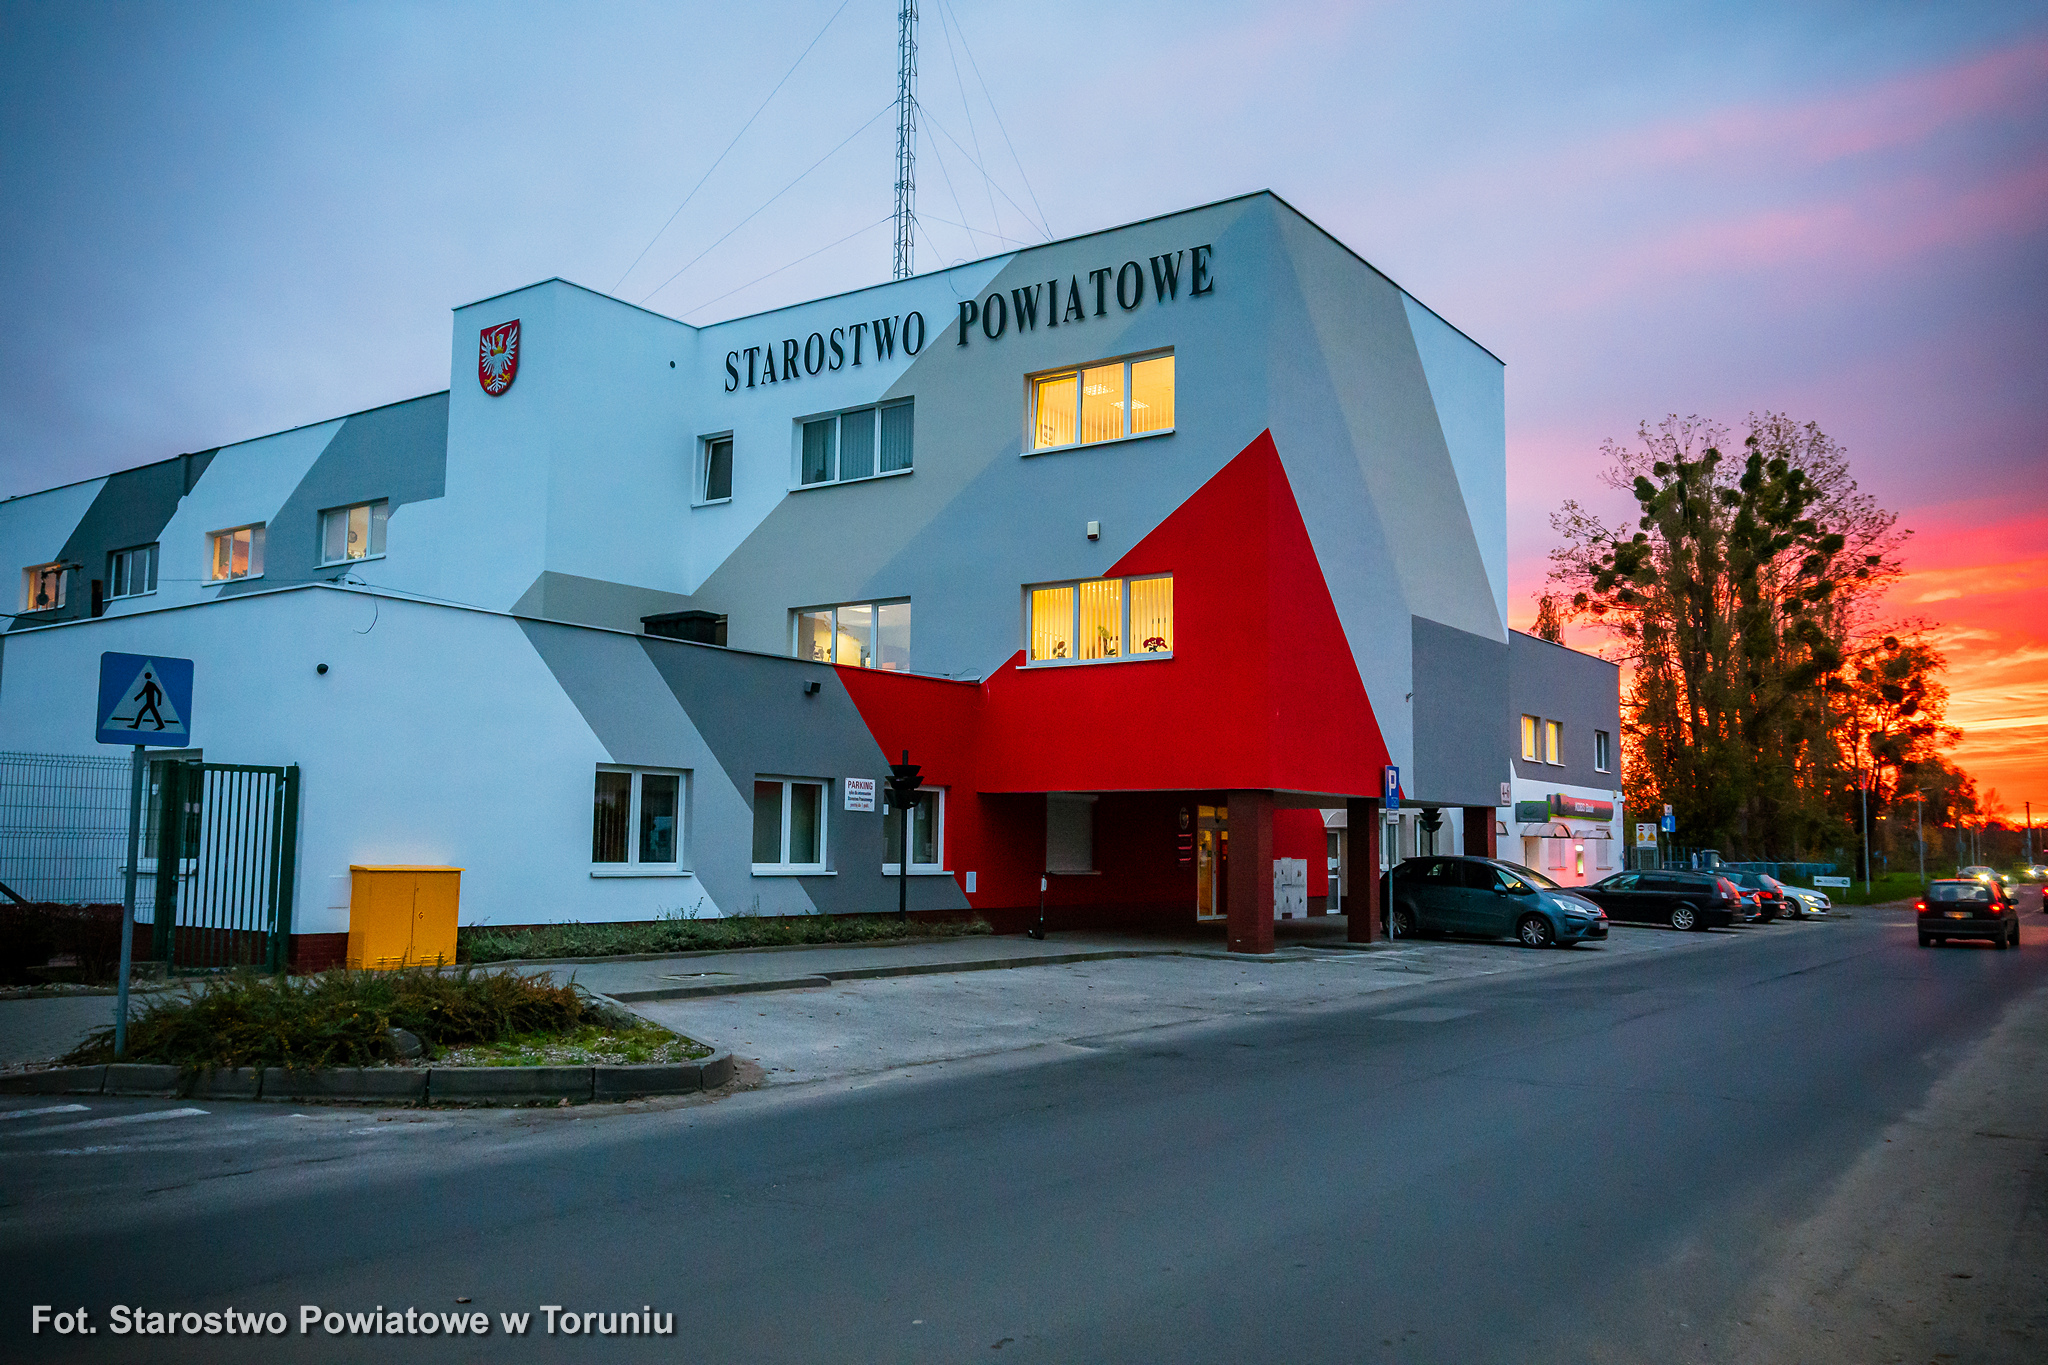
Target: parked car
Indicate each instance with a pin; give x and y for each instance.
(1491, 899)
(1683, 900)
(1769, 896)
(1968, 907)
(1809, 901)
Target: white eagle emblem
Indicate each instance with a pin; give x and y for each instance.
(497, 359)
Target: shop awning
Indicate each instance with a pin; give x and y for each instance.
(1552, 829)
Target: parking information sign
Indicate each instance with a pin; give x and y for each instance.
(860, 793)
(145, 699)
(1391, 786)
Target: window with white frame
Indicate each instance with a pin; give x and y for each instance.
(927, 834)
(714, 477)
(1603, 751)
(789, 824)
(1107, 402)
(1098, 620)
(1529, 724)
(131, 573)
(43, 585)
(863, 443)
(859, 634)
(1553, 742)
(636, 820)
(350, 533)
(236, 553)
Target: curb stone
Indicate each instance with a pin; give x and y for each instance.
(377, 1084)
(69, 1080)
(385, 1085)
(141, 1078)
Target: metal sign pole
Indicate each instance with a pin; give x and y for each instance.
(128, 908)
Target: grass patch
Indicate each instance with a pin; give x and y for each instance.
(338, 1018)
(676, 934)
(586, 1045)
(1884, 887)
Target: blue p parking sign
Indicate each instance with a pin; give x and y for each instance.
(145, 699)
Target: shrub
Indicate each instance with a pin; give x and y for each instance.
(338, 1018)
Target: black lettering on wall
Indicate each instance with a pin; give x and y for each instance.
(1052, 303)
(909, 349)
(1101, 278)
(885, 338)
(838, 348)
(860, 329)
(995, 316)
(789, 358)
(1026, 300)
(1199, 282)
(1135, 274)
(1166, 277)
(1075, 313)
(732, 371)
(970, 312)
(752, 351)
(813, 366)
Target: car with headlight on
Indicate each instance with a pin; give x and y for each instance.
(1967, 907)
(1488, 898)
(1987, 874)
(1804, 900)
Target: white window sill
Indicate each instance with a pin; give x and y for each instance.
(630, 870)
(1143, 657)
(772, 870)
(245, 578)
(711, 502)
(1098, 445)
(917, 870)
(344, 563)
(865, 478)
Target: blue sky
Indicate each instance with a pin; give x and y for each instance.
(222, 220)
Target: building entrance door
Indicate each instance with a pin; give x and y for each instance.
(1212, 862)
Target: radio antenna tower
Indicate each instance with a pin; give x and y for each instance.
(906, 135)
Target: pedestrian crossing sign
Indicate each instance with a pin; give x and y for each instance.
(145, 699)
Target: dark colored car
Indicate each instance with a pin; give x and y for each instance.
(1490, 899)
(1683, 900)
(1968, 908)
(1771, 898)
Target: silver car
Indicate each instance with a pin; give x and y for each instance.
(1804, 900)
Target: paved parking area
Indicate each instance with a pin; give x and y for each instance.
(863, 1027)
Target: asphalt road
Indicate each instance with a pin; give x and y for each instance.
(1586, 1164)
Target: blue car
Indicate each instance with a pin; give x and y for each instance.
(1488, 898)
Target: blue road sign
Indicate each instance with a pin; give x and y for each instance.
(1671, 824)
(145, 699)
(1390, 781)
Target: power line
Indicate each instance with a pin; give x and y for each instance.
(968, 110)
(970, 161)
(1004, 128)
(698, 308)
(771, 199)
(730, 145)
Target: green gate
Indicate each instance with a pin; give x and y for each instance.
(224, 840)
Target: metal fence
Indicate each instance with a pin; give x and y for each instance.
(64, 829)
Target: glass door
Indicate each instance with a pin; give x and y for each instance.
(1212, 863)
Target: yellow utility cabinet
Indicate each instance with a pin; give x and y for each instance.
(402, 916)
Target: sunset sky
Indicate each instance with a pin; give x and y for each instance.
(223, 220)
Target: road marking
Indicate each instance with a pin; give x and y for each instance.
(1426, 1014)
(154, 1116)
(46, 1109)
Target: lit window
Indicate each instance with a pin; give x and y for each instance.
(637, 819)
(130, 573)
(715, 481)
(237, 553)
(1553, 742)
(1104, 402)
(356, 532)
(1097, 620)
(789, 825)
(42, 586)
(864, 443)
(1529, 738)
(858, 634)
(1603, 756)
(927, 834)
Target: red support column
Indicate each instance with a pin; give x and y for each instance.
(1251, 872)
(1480, 840)
(1362, 862)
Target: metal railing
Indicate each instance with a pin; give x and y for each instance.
(64, 829)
